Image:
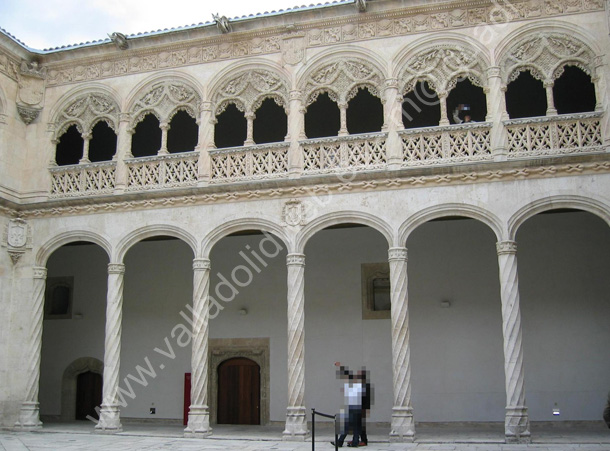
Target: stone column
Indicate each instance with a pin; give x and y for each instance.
(164, 129)
(516, 424)
(123, 152)
(250, 116)
(392, 108)
(199, 414)
(86, 140)
(205, 142)
(110, 421)
(296, 132)
(550, 100)
(403, 425)
(496, 113)
(29, 415)
(343, 114)
(442, 98)
(296, 416)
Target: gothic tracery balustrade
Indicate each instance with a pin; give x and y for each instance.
(83, 179)
(251, 163)
(167, 171)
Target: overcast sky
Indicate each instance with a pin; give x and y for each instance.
(43, 24)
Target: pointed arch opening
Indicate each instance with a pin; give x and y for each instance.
(526, 97)
(69, 149)
(322, 118)
(573, 91)
(146, 140)
(466, 102)
(102, 146)
(364, 113)
(183, 133)
(270, 123)
(421, 106)
(231, 128)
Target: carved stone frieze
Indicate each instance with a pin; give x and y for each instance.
(164, 99)
(442, 66)
(85, 111)
(342, 78)
(367, 26)
(249, 88)
(545, 54)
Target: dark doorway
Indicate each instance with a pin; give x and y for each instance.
(238, 392)
(88, 395)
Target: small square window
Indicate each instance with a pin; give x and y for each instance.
(376, 301)
(58, 298)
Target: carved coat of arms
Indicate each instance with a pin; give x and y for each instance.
(17, 233)
(293, 49)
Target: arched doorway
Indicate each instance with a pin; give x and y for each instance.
(88, 395)
(238, 391)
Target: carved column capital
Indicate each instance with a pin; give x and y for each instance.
(493, 72)
(202, 264)
(39, 272)
(506, 247)
(124, 117)
(296, 95)
(397, 254)
(116, 268)
(295, 260)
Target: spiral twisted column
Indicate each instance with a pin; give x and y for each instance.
(199, 413)
(29, 415)
(392, 111)
(110, 421)
(403, 425)
(296, 420)
(516, 424)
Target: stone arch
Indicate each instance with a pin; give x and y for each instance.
(343, 217)
(68, 383)
(247, 85)
(441, 62)
(341, 74)
(84, 108)
(555, 202)
(545, 50)
(163, 96)
(47, 249)
(142, 233)
(439, 211)
(239, 225)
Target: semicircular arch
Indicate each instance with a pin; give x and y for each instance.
(152, 231)
(574, 202)
(446, 210)
(71, 236)
(241, 225)
(343, 217)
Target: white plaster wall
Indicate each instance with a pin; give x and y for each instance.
(457, 357)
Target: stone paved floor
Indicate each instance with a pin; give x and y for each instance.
(79, 436)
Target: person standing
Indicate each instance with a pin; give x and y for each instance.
(352, 391)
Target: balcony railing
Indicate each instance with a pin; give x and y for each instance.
(447, 144)
(237, 164)
(554, 135)
(165, 171)
(83, 179)
(429, 146)
(345, 153)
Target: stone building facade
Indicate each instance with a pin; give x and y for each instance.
(162, 193)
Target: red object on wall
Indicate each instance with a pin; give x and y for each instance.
(187, 397)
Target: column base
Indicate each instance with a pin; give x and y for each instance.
(110, 420)
(296, 425)
(29, 417)
(517, 425)
(403, 425)
(199, 423)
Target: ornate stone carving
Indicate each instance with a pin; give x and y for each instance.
(28, 115)
(164, 99)
(342, 78)
(293, 48)
(249, 88)
(545, 54)
(222, 23)
(17, 238)
(516, 421)
(30, 97)
(120, 40)
(87, 110)
(442, 66)
(361, 4)
(294, 213)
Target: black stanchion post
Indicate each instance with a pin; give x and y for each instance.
(313, 429)
(336, 434)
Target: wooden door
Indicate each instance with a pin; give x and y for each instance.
(238, 392)
(88, 395)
